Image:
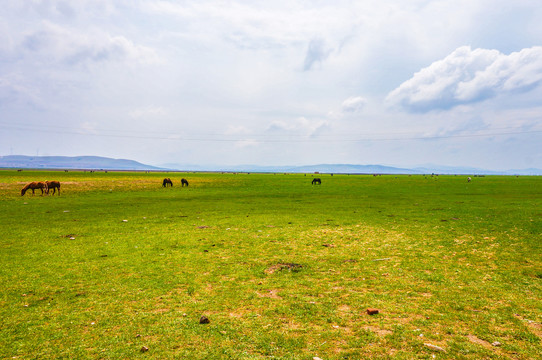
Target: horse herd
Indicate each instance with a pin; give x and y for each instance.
(44, 186)
(167, 182)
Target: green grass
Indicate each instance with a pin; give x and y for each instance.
(117, 263)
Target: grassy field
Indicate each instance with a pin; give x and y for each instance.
(117, 267)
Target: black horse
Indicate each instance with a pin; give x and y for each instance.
(184, 182)
(317, 181)
(166, 182)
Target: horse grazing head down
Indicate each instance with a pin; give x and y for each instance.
(53, 185)
(35, 185)
(23, 190)
(166, 182)
(316, 181)
(184, 182)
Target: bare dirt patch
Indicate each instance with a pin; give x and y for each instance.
(235, 315)
(281, 266)
(159, 311)
(344, 309)
(378, 331)
(535, 327)
(273, 294)
(476, 340)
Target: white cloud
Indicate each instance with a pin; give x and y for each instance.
(12, 90)
(88, 128)
(259, 26)
(151, 112)
(316, 53)
(353, 104)
(237, 130)
(299, 126)
(469, 76)
(518, 71)
(246, 143)
(57, 44)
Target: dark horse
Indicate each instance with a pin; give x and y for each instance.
(317, 181)
(53, 185)
(184, 182)
(166, 182)
(33, 186)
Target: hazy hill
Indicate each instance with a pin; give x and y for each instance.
(352, 169)
(104, 163)
(322, 168)
(68, 162)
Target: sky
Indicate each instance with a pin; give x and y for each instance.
(391, 82)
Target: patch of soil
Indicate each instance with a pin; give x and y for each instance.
(476, 340)
(378, 331)
(281, 266)
(235, 315)
(534, 326)
(344, 309)
(273, 294)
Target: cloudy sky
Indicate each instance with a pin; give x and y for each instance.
(390, 82)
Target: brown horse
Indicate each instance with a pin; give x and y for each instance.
(184, 182)
(53, 185)
(35, 185)
(166, 182)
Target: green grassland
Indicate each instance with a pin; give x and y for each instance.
(283, 269)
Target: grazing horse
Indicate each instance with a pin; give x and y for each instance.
(184, 182)
(166, 182)
(468, 179)
(53, 185)
(33, 186)
(317, 181)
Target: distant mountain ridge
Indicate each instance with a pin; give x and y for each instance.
(322, 168)
(104, 163)
(351, 169)
(71, 162)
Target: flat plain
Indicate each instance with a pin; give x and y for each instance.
(119, 267)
